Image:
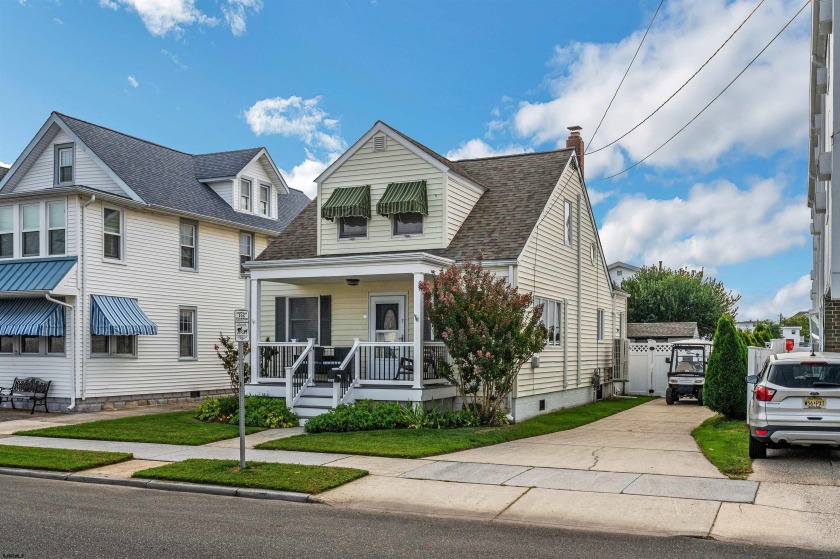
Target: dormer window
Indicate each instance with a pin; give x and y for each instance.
(408, 224)
(64, 164)
(265, 196)
(245, 186)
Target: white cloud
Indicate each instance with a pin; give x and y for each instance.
(295, 117)
(174, 58)
(476, 148)
(162, 17)
(302, 176)
(132, 81)
(788, 300)
(6, 165)
(715, 224)
(110, 4)
(598, 196)
(57, 21)
(683, 37)
(234, 12)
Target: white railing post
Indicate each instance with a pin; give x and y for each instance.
(357, 361)
(418, 332)
(336, 393)
(254, 304)
(310, 373)
(289, 387)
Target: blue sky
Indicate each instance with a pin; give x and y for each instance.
(468, 79)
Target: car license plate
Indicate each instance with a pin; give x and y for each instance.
(814, 403)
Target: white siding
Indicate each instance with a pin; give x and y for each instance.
(460, 200)
(256, 173)
(224, 189)
(378, 168)
(86, 173)
(549, 268)
(153, 277)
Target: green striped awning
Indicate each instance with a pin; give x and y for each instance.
(404, 197)
(351, 201)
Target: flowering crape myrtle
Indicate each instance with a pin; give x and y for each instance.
(490, 330)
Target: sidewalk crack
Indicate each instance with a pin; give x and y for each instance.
(595, 458)
(501, 512)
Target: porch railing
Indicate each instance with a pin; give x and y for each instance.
(275, 357)
(300, 374)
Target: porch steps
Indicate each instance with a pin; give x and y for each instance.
(314, 400)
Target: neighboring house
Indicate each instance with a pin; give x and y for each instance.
(388, 214)
(120, 262)
(664, 332)
(793, 333)
(823, 198)
(746, 325)
(620, 271)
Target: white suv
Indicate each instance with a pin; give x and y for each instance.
(796, 401)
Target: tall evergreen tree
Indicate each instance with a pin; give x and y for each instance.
(725, 390)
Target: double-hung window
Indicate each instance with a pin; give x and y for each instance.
(600, 324)
(113, 346)
(246, 249)
(245, 195)
(32, 345)
(303, 318)
(352, 227)
(187, 333)
(567, 223)
(408, 224)
(552, 319)
(64, 164)
(189, 245)
(30, 226)
(265, 197)
(112, 228)
(56, 228)
(7, 232)
(7, 344)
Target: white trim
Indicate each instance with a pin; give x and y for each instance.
(218, 179)
(379, 258)
(264, 152)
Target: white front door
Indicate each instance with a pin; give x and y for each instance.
(387, 324)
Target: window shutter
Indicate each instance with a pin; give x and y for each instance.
(280, 319)
(427, 328)
(326, 320)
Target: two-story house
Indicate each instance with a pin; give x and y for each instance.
(121, 262)
(338, 289)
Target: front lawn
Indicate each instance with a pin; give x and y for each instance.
(419, 443)
(258, 475)
(58, 459)
(726, 444)
(179, 427)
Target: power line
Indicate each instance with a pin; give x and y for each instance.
(627, 71)
(681, 87)
(687, 124)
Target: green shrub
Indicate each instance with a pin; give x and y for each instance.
(366, 415)
(725, 390)
(260, 411)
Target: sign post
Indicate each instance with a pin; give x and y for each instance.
(242, 323)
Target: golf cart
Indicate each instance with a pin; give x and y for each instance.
(687, 373)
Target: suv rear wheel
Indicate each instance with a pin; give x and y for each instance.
(758, 449)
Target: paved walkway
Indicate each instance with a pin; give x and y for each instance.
(638, 471)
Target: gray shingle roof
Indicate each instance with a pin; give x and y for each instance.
(518, 188)
(168, 178)
(661, 329)
(3, 171)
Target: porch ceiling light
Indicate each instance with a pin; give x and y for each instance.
(352, 281)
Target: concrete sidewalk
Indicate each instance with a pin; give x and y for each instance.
(638, 471)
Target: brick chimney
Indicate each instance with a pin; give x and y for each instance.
(576, 141)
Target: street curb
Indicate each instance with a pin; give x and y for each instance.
(246, 493)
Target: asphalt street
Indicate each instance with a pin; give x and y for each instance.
(42, 518)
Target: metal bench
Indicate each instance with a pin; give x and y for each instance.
(32, 389)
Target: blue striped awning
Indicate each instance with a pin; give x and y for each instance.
(31, 317)
(118, 316)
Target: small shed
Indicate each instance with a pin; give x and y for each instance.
(662, 332)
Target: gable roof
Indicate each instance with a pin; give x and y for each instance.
(617, 263)
(661, 329)
(3, 171)
(528, 179)
(168, 179)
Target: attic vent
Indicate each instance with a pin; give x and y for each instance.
(379, 143)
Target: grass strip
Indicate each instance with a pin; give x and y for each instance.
(57, 459)
(725, 443)
(168, 428)
(419, 443)
(258, 475)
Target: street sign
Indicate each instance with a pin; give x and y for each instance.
(242, 332)
(241, 315)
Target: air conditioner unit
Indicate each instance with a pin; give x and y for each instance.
(822, 80)
(820, 201)
(825, 16)
(824, 166)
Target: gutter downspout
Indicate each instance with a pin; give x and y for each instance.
(83, 298)
(579, 295)
(73, 318)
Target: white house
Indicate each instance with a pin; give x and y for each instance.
(120, 262)
(823, 198)
(620, 271)
(337, 292)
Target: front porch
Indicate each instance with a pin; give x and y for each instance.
(329, 331)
